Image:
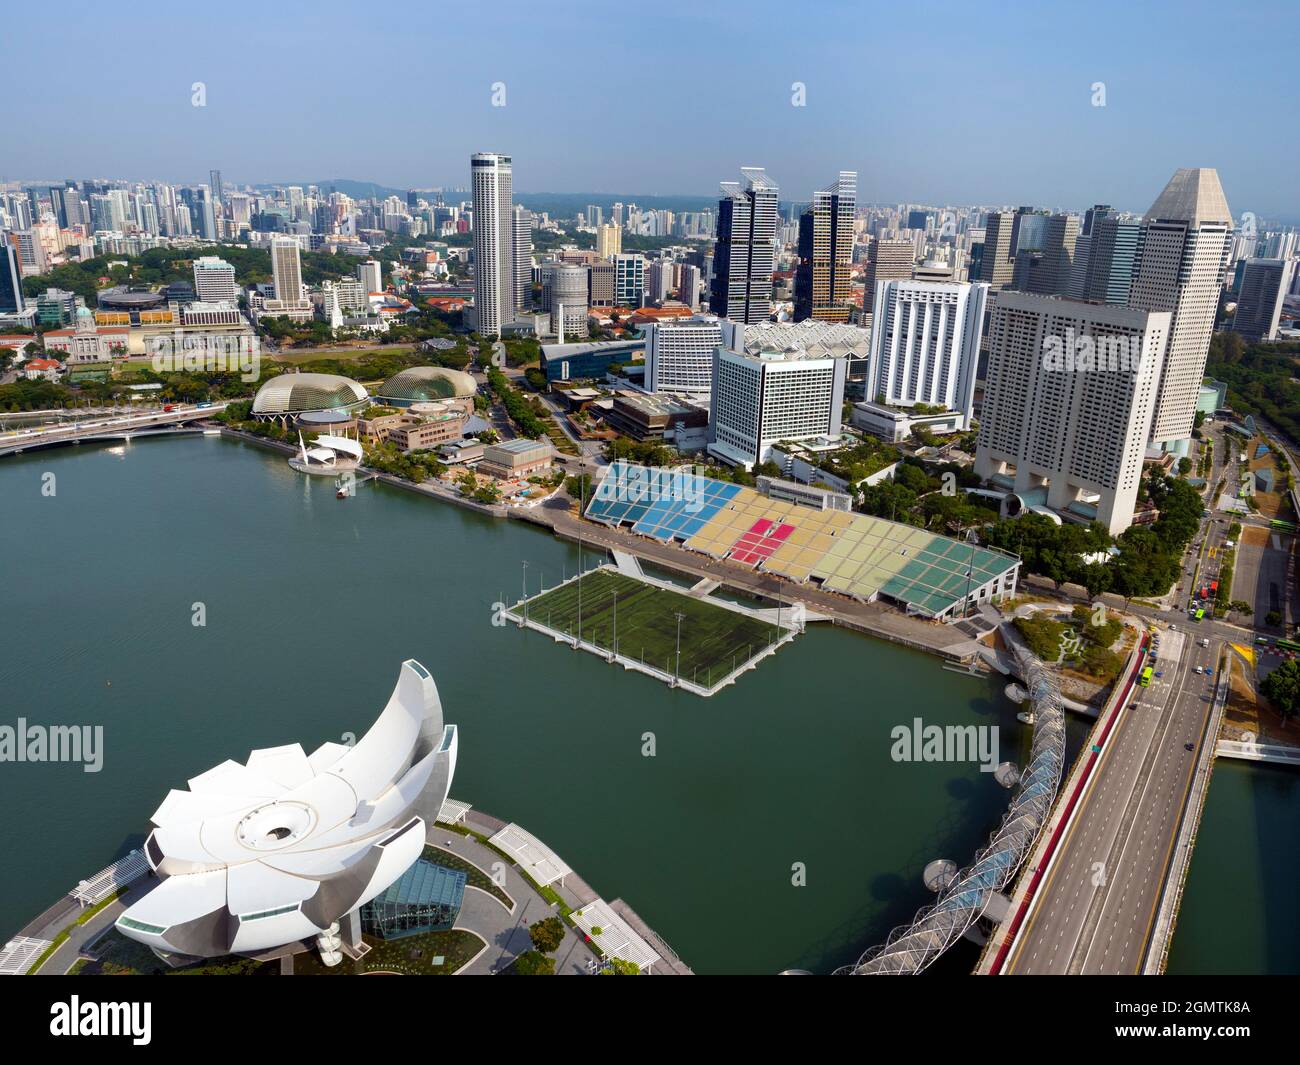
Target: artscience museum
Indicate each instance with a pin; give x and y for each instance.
(287, 847)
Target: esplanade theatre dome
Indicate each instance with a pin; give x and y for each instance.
(294, 393)
(423, 384)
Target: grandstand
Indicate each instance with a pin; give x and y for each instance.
(857, 555)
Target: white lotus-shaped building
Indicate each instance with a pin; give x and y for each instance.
(255, 856)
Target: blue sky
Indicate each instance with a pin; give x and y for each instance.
(930, 102)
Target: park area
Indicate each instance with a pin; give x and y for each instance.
(639, 620)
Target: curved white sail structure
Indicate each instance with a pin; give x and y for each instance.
(276, 850)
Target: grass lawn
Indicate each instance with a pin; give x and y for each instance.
(119, 956)
(412, 956)
(647, 624)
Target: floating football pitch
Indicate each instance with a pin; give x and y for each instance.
(715, 640)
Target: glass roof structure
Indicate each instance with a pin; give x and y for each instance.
(425, 898)
(855, 554)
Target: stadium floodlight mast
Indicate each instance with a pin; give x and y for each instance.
(678, 668)
(525, 591)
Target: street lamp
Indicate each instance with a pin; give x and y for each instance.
(679, 647)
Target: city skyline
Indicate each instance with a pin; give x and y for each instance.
(862, 100)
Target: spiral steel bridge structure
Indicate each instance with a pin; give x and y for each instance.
(910, 948)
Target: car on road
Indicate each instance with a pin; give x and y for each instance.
(1199, 670)
(1189, 746)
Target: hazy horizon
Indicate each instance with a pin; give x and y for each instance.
(933, 103)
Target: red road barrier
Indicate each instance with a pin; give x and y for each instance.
(1092, 757)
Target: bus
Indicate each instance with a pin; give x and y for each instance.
(1214, 587)
(1145, 678)
(1285, 526)
(1287, 645)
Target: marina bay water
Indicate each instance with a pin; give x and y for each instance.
(310, 603)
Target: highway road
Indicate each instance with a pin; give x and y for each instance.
(1096, 909)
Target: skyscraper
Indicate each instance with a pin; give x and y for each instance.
(286, 269)
(887, 260)
(1106, 274)
(494, 271)
(11, 278)
(214, 279)
(1264, 286)
(996, 259)
(821, 280)
(609, 241)
(1069, 399)
(925, 344)
(1054, 240)
(1186, 237)
(745, 251)
(521, 263)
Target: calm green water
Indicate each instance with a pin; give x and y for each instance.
(312, 603)
(1239, 909)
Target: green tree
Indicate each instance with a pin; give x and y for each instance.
(1282, 687)
(547, 934)
(620, 967)
(534, 963)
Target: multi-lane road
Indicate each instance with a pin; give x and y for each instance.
(1096, 908)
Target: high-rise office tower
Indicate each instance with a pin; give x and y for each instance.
(11, 277)
(821, 280)
(1105, 273)
(494, 271)
(609, 240)
(1069, 399)
(371, 275)
(1050, 254)
(600, 292)
(1264, 286)
(995, 264)
(1185, 242)
(661, 280)
(925, 344)
(887, 260)
(214, 280)
(688, 289)
(745, 251)
(568, 285)
(629, 280)
(522, 258)
(214, 183)
(286, 269)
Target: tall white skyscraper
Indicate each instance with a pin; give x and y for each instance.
(679, 355)
(925, 344)
(494, 241)
(522, 257)
(214, 279)
(1186, 237)
(763, 395)
(286, 269)
(1068, 404)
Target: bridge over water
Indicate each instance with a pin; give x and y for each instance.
(109, 427)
